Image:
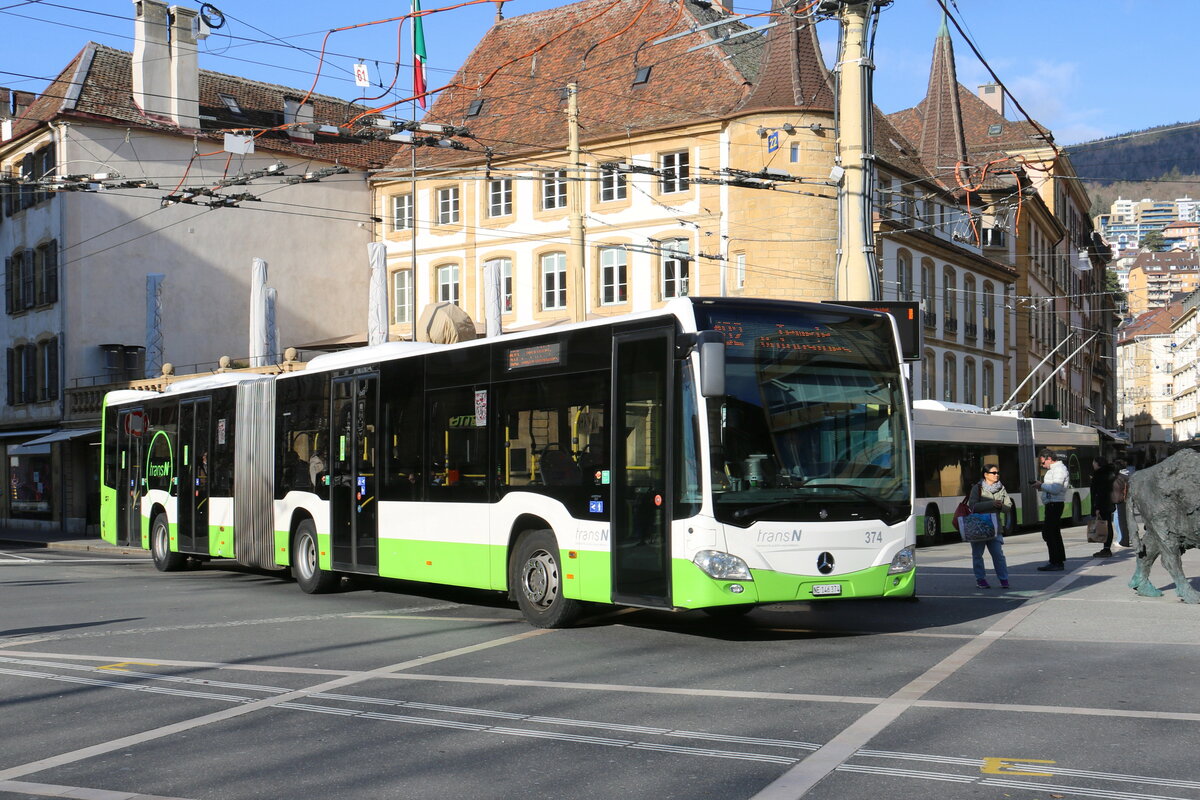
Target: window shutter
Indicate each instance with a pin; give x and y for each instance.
(52, 369)
(8, 286)
(28, 190)
(27, 279)
(29, 392)
(12, 362)
(51, 282)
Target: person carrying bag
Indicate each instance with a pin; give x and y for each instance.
(988, 500)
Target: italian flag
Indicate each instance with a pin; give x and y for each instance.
(420, 87)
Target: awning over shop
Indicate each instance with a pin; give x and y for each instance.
(50, 437)
(1116, 436)
(15, 434)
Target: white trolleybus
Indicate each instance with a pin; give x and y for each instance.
(953, 441)
(713, 454)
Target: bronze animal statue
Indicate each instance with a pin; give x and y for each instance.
(1167, 498)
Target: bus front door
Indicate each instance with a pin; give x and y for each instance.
(195, 439)
(640, 525)
(131, 426)
(353, 506)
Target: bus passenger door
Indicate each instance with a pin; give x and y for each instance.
(131, 426)
(640, 527)
(353, 505)
(195, 439)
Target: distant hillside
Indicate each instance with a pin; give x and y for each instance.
(1162, 163)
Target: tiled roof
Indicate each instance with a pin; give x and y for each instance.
(97, 85)
(793, 73)
(1173, 260)
(520, 69)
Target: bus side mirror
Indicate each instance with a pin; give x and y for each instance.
(711, 346)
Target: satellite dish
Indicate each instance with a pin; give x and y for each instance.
(445, 323)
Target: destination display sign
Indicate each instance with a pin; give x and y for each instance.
(538, 355)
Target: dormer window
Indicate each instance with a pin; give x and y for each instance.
(475, 107)
(231, 103)
(995, 130)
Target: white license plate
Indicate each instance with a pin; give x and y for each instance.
(826, 589)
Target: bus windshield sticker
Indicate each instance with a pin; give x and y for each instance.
(541, 355)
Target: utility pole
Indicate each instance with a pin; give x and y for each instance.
(856, 274)
(578, 270)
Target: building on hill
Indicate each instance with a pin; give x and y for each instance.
(1129, 221)
(128, 232)
(1156, 278)
(1032, 222)
(1181, 235)
(703, 168)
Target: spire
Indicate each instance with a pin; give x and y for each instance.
(942, 142)
(792, 73)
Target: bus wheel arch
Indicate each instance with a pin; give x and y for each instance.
(535, 578)
(306, 561)
(160, 543)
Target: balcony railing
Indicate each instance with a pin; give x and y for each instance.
(950, 325)
(930, 319)
(989, 335)
(971, 329)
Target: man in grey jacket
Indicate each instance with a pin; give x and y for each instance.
(1054, 487)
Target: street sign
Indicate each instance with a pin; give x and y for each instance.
(772, 141)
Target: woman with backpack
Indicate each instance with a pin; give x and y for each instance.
(988, 496)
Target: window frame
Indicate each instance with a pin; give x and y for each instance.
(449, 208)
(402, 204)
(455, 285)
(500, 197)
(674, 172)
(402, 296)
(557, 263)
(614, 275)
(554, 190)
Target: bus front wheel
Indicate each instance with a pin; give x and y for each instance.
(160, 547)
(933, 523)
(536, 579)
(306, 566)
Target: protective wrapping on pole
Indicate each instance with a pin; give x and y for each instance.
(491, 289)
(154, 337)
(258, 313)
(377, 310)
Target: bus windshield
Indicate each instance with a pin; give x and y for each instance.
(813, 423)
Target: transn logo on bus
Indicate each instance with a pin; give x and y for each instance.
(779, 537)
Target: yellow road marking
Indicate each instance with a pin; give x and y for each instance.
(120, 664)
(1004, 766)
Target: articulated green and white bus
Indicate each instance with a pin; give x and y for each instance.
(712, 454)
(953, 441)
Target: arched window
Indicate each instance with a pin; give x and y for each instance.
(949, 378)
(970, 308)
(970, 389)
(929, 363)
(904, 275)
(949, 301)
(929, 292)
(447, 283)
(989, 313)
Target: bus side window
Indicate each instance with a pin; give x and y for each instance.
(404, 430)
(457, 469)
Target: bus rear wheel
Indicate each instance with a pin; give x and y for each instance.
(306, 565)
(160, 546)
(536, 579)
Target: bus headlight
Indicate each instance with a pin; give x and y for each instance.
(903, 561)
(722, 566)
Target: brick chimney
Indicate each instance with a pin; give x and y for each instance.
(993, 95)
(166, 76)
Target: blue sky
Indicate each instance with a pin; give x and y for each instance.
(1083, 69)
